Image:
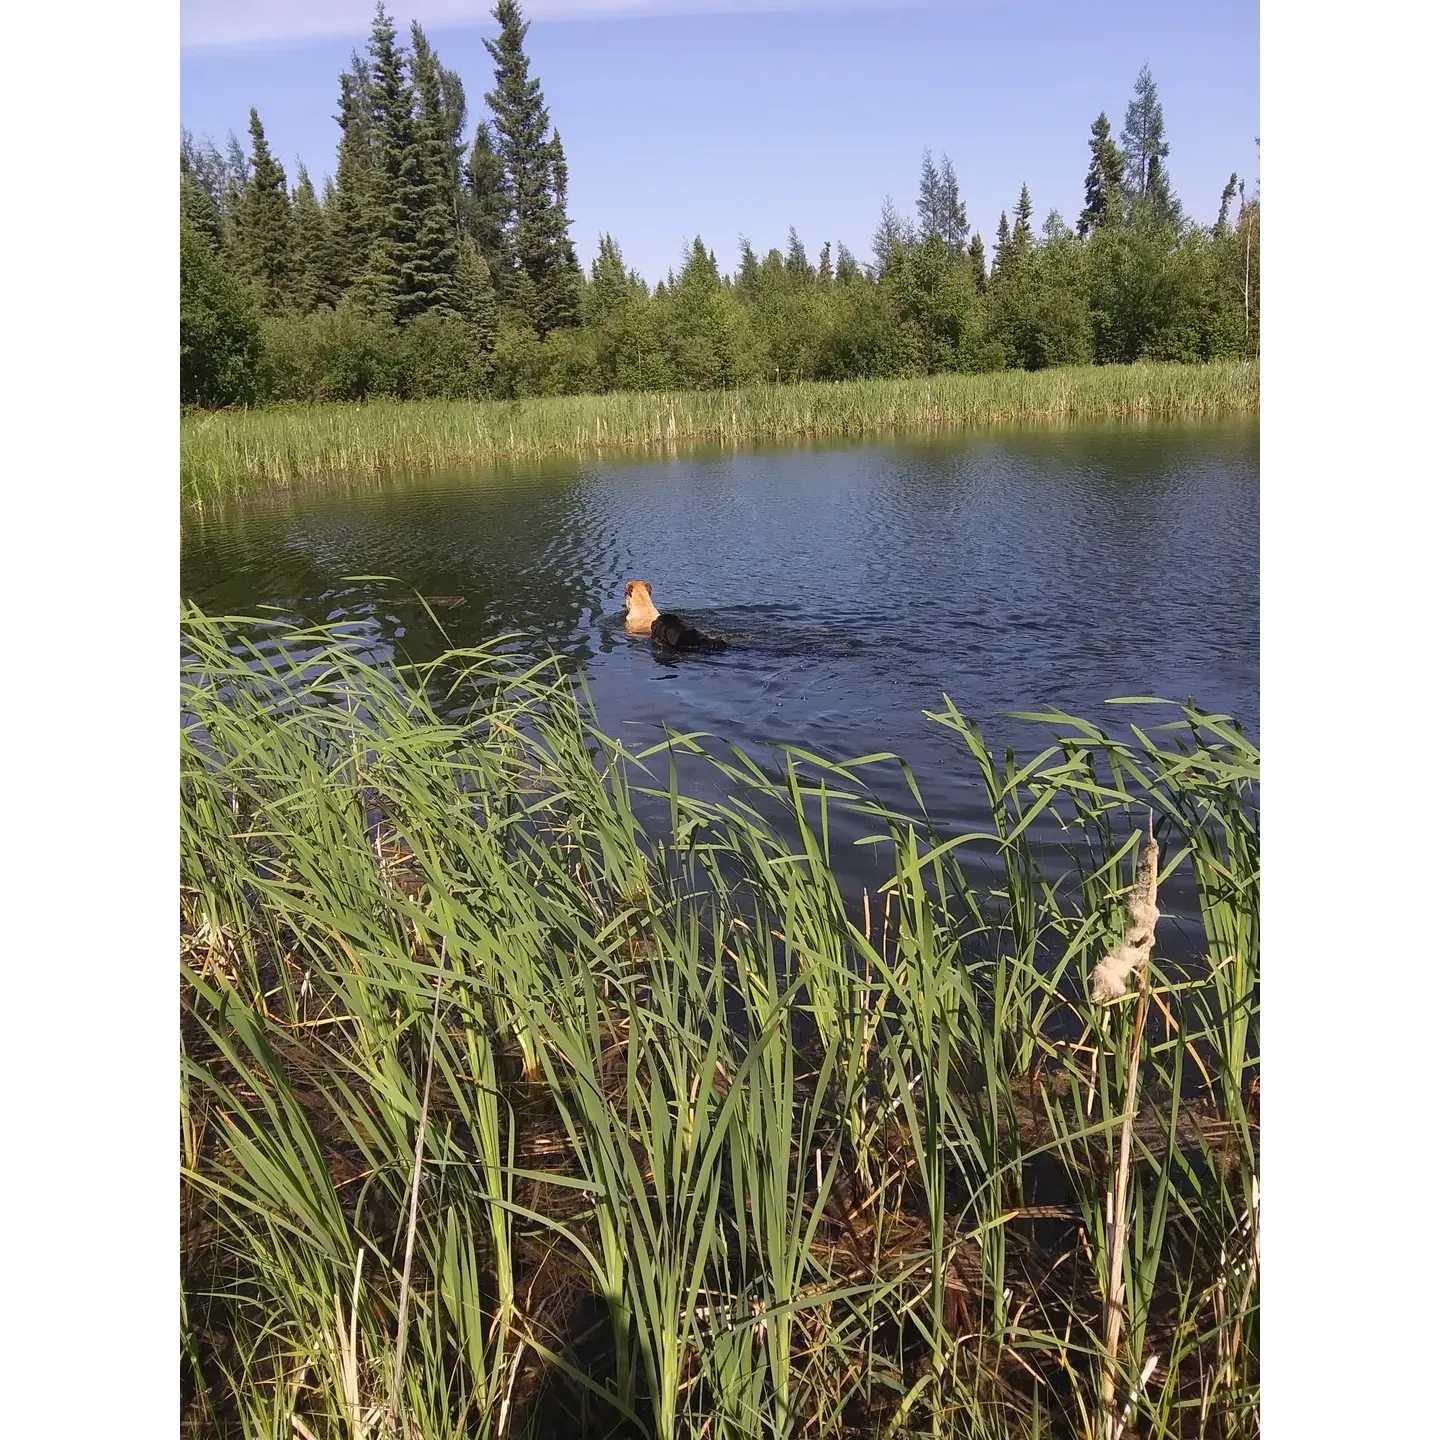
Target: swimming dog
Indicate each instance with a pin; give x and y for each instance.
(642, 618)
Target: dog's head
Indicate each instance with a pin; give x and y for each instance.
(637, 595)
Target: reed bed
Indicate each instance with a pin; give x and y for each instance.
(225, 452)
(503, 1114)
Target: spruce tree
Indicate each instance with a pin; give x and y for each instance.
(1022, 237)
(353, 220)
(485, 203)
(313, 254)
(976, 254)
(1143, 142)
(263, 231)
(1104, 180)
(1226, 196)
(198, 209)
(473, 292)
(824, 275)
(847, 268)
(940, 210)
(391, 122)
(747, 280)
(202, 189)
(890, 235)
(559, 291)
(439, 201)
(412, 260)
(1003, 247)
(797, 263)
(610, 286)
(536, 227)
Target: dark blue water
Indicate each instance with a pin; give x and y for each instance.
(1011, 570)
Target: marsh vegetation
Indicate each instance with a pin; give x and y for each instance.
(503, 1111)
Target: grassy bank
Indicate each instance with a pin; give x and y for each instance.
(502, 1116)
(231, 451)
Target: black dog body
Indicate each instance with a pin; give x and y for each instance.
(677, 634)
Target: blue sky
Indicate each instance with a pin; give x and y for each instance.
(729, 117)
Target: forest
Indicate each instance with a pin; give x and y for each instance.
(437, 263)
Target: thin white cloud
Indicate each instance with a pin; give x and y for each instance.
(211, 24)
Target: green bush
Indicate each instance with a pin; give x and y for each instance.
(220, 347)
(339, 354)
(441, 357)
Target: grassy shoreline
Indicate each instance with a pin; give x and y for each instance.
(504, 1116)
(228, 452)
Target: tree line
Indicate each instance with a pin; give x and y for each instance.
(438, 262)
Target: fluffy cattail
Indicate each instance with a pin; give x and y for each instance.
(1109, 978)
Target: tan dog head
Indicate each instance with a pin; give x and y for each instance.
(640, 606)
(640, 611)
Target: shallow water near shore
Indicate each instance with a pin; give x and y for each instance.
(1011, 569)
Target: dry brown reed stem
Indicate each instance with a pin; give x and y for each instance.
(1133, 954)
(414, 1205)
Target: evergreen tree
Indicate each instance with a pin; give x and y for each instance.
(203, 175)
(473, 292)
(976, 254)
(1022, 237)
(353, 221)
(1104, 180)
(313, 286)
(610, 286)
(198, 208)
(747, 279)
(263, 231)
(486, 204)
(437, 233)
(890, 235)
(824, 275)
(1226, 196)
(559, 299)
(1004, 250)
(940, 210)
(797, 263)
(536, 227)
(847, 268)
(1143, 142)
(412, 259)
(391, 117)
(237, 178)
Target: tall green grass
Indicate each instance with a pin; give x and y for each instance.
(226, 452)
(502, 1113)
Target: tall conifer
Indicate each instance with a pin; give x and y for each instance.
(939, 209)
(1104, 180)
(437, 202)
(1022, 237)
(263, 231)
(976, 254)
(536, 227)
(485, 205)
(352, 214)
(797, 263)
(1143, 141)
(890, 235)
(1227, 195)
(198, 209)
(313, 286)
(1004, 250)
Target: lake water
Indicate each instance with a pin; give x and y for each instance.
(1010, 569)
